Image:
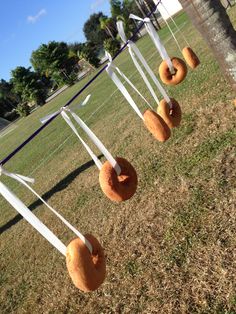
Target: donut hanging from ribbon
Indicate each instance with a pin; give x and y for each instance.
(118, 187)
(85, 258)
(171, 115)
(189, 55)
(114, 163)
(154, 123)
(86, 269)
(168, 71)
(170, 112)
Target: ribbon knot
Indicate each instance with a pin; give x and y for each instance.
(146, 20)
(63, 109)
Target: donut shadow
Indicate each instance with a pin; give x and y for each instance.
(60, 186)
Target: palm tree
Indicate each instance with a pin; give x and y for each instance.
(107, 25)
(211, 20)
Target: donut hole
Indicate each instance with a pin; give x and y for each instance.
(95, 259)
(123, 179)
(170, 73)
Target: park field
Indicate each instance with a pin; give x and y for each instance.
(171, 248)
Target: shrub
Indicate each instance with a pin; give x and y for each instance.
(23, 109)
(111, 45)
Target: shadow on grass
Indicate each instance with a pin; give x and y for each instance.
(58, 187)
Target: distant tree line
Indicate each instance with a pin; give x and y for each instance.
(56, 63)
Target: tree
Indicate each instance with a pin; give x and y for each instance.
(212, 21)
(88, 52)
(93, 32)
(28, 85)
(54, 60)
(75, 47)
(8, 99)
(108, 25)
(116, 8)
(122, 10)
(112, 46)
(23, 109)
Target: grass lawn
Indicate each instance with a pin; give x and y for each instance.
(171, 248)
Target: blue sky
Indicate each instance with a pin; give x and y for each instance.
(25, 24)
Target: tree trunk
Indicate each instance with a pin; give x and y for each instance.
(140, 8)
(109, 32)
(212, 21)
(145, 10)
(151, 5)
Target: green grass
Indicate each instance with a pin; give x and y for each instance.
(170, 248)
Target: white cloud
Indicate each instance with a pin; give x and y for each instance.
(34, 18)
(96, 4)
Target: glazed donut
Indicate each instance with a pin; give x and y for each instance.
(190, 57)
(179, 75)
(172, 117)
(156, 125)
(118, 188)
(86, 271)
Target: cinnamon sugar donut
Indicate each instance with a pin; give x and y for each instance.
(190, 57)
(180, 72)
(171, 116)
(118, 188)
(86, 270)
(156, 125)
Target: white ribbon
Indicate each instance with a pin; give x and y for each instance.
(48, 117)
(156, 40)
(31, 218)
(97, 142)
(110, 71)
(90, 134)
(134, 51)
(71, 125)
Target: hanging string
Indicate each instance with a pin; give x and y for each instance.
(172, 33)
(177, 27)
(34, 221)
(132, 85)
